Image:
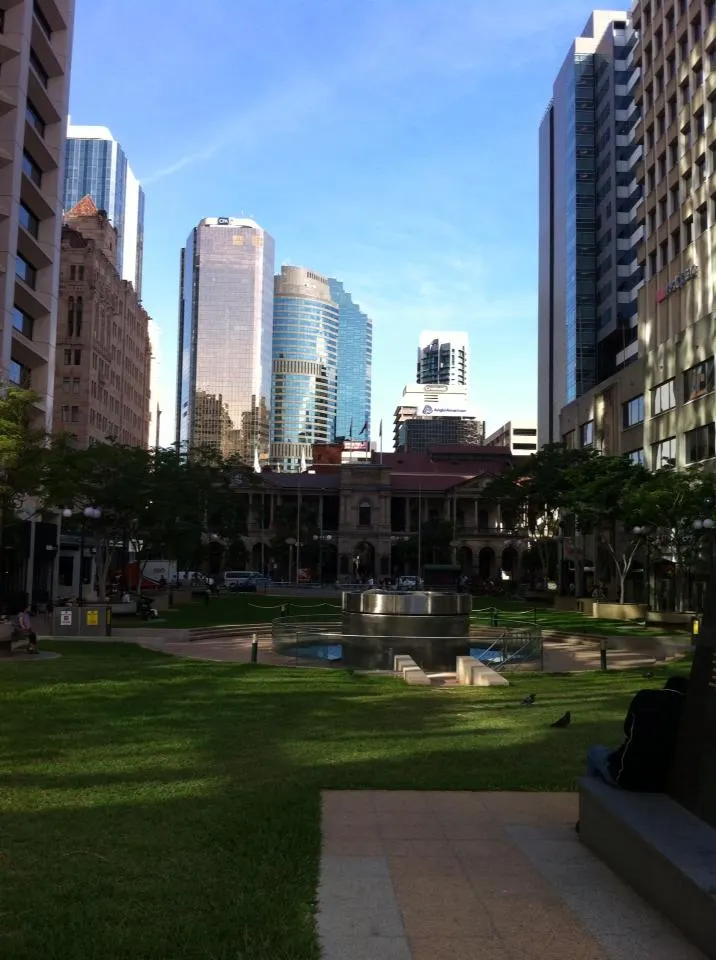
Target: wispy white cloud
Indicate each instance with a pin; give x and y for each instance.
(394, 42)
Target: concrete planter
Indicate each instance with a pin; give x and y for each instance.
(5, 639)
(670, 618)
(620, 611)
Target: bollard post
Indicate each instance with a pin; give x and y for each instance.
(254, 649)
(603, 653)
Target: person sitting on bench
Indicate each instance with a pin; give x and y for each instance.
(23, 631)
(651, 730)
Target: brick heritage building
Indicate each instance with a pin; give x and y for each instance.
(103, 365)
(365, 510)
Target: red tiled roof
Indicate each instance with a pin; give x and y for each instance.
(86, 207)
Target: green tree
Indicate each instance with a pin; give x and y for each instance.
(667, 506)
(536, 493)
(115, 479)
(605, 494)
(22, 464)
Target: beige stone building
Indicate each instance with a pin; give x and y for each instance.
(35, 50)
(102, 374)
(662, 408)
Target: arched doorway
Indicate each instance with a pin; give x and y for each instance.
(364, 560)
(510, 561)
(464, 558)
(486, 563)
(258, 558)
(328, 562)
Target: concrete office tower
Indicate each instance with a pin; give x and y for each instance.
(588, 232)
(355, 365)
(305, 367)
(520, 437)
(431, 414)
(442, 358)
(97, 167)
(225, 324)
(102, 374)
(35, 48)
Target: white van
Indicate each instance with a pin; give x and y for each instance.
(244, 579)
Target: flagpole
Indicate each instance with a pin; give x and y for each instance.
(380, 435)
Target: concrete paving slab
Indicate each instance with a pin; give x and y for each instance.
(519, 886)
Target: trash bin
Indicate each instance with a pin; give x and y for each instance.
(695, 626)
(89, 620)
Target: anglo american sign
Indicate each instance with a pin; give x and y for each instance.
(683, 278)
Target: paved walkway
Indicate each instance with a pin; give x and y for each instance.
(475, 876)
(558, 657)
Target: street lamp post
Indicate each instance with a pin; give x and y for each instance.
(292, 542)
(88, 513)
(703, 526)
(642, 532)
(320, 538)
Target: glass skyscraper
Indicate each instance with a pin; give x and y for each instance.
(442, 358)
(305, 367)
(96, 166)
(355, 365)
(588, 269)
(225, 324)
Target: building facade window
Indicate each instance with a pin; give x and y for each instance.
(34, 119)
(663, 398)
(664, 453)
(699, 380)
(29, 221)
(637, 456)
(633, 411)
(23, 322)
(364, 514)
(25, 271)
(700, 443)
(31, 169)
(586, 433)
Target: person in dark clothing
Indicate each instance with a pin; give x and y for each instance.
(651, 728)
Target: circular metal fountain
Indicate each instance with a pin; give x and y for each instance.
(377, 613)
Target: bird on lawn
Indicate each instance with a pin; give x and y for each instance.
(529, 700)
(564, 721)
(648, 675)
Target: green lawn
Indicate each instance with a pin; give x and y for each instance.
(233, 608)
(260, 608)
(156, 808)
(513, 614)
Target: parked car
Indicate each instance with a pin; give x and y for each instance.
(247, 581)
(408, 583)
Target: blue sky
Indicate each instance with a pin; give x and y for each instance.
(389, 143)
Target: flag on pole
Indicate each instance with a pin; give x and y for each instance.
(257, 464)
(380, 430)
(364, 430)
(350, 429)
(380, 435)
(302, 468)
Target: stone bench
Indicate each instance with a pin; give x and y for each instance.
(411, 672)
(660, 849)
(472, 673)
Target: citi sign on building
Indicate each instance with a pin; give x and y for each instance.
(677, 283)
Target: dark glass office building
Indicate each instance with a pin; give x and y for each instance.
(225, 329)
(304, 390)
(588, 234)
(355, 365)
(96, 166)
